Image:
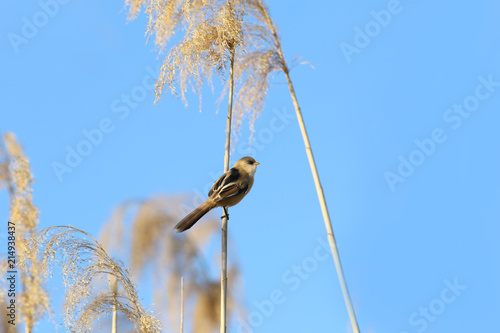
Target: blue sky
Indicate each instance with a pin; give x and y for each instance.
(401, 111)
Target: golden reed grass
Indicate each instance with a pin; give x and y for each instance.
(81, 257)
(16, 175)
(84, 261)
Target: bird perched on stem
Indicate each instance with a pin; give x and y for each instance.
(227, 191)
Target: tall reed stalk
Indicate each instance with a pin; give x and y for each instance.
(225, 217)
(263, 57)
(324, 209)
(317, 182)
(113, 286)
(114, 322)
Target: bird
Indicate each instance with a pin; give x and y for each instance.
(227, 191)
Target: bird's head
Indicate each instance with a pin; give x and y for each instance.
(248, 164)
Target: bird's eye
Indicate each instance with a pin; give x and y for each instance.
(249, 162)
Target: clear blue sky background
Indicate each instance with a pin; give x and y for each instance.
(420, 255)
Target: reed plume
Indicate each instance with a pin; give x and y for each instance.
(16, 174)
(211, 29)
(84, 261)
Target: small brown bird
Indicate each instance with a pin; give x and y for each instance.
(227, 191)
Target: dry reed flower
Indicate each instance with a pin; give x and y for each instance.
(165, 17)
(4, 172)
(212, 31)
(256, 63)
(210, 38)
(83, 260)
(207, 309)
(206, 312)
(155, 245)
(134, 7)
(33, 298)
(22, 211)
(115, 229)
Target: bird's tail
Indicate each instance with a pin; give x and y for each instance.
(193, 217)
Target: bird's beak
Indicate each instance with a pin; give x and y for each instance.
(256, 163)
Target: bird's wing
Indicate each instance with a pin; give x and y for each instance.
(227, 186)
